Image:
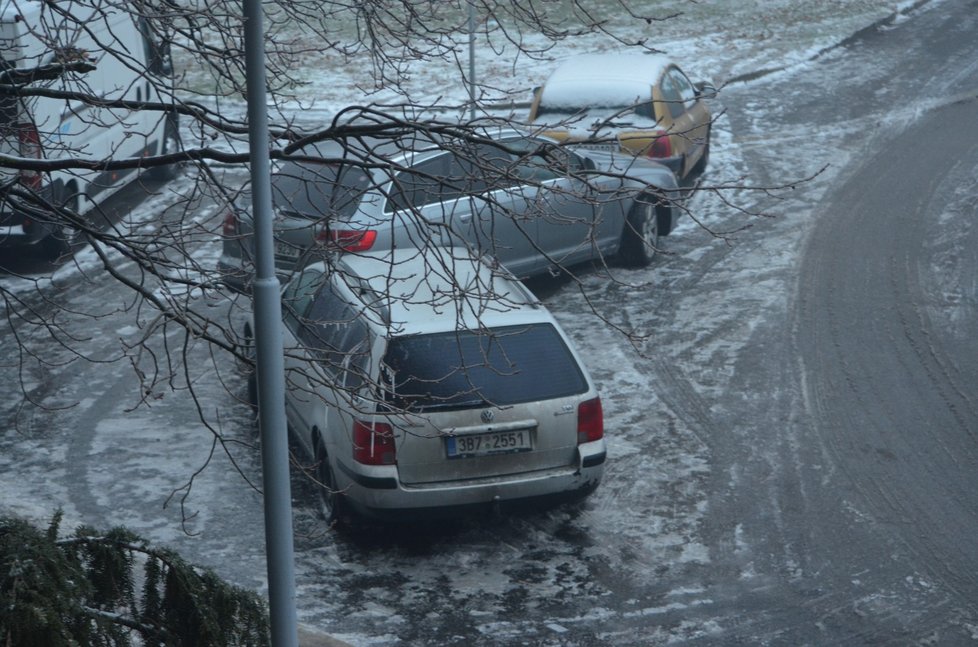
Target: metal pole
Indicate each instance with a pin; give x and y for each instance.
(269, 351)
(472, 60)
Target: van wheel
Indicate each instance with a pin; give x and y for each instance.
(63, 240)
(169, 144)
(640, 239)
(331, 502)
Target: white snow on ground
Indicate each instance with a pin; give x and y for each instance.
(715, 41)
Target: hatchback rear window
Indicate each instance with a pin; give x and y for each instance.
(319, 190)
(499, 366)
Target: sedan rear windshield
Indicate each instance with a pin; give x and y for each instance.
(464, 369)
(319, 190)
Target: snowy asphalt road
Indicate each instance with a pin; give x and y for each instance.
(792, 455)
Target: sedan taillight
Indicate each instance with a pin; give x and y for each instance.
(348, 240)
(590, 421)
(373, 443)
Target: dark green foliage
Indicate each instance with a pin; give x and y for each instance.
(40, 590)
(81, 590)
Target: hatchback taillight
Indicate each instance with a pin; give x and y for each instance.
(348, 240)
(590, 421)
(230, 227)
(373, 443)
(661, 146)
(30, 147)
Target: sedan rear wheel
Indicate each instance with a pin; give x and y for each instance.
(640, 239)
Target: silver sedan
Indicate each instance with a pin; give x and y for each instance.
(533, 205)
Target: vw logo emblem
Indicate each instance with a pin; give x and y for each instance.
(487, 416)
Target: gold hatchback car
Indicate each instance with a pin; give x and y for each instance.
(642, 104)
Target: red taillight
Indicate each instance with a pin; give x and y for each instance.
(230, 227)
(661, 146)
(348, 240)
(30, 147)
(590, 421)
(373, 443)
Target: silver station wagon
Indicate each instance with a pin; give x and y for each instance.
(531, 204)
(431, 384)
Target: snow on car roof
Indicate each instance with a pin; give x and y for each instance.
(603, 79)
(441, 289)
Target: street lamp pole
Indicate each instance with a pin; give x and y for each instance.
(268, 346)
(472, 60)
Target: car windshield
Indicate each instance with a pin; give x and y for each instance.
(319, 190)
(494, 367)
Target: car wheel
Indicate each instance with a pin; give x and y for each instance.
(170, 144)
(253, 390)
(704, 159)
(330, 499)
(63, 240)
(640, 239)
(248, 350)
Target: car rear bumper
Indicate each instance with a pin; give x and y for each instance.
(235, 273)
(674, 164)
(238, 274)
(385, 498)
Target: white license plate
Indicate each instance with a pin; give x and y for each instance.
(502, 442)
(285, 250)
(601, 147)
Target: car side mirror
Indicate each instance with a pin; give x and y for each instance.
(705, 90)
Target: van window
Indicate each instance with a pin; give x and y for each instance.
(467, 369)
(156, 50)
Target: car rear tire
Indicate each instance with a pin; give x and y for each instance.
(330, 499)
(640, 239)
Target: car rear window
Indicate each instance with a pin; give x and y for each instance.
(465, 369)
(319, 190)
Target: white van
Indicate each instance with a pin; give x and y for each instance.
(121, 61)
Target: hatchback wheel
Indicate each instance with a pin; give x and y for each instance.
(330, 500)
(704, 159)
(253, 390)
(641, 236)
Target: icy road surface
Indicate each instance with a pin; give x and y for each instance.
(792, 456)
